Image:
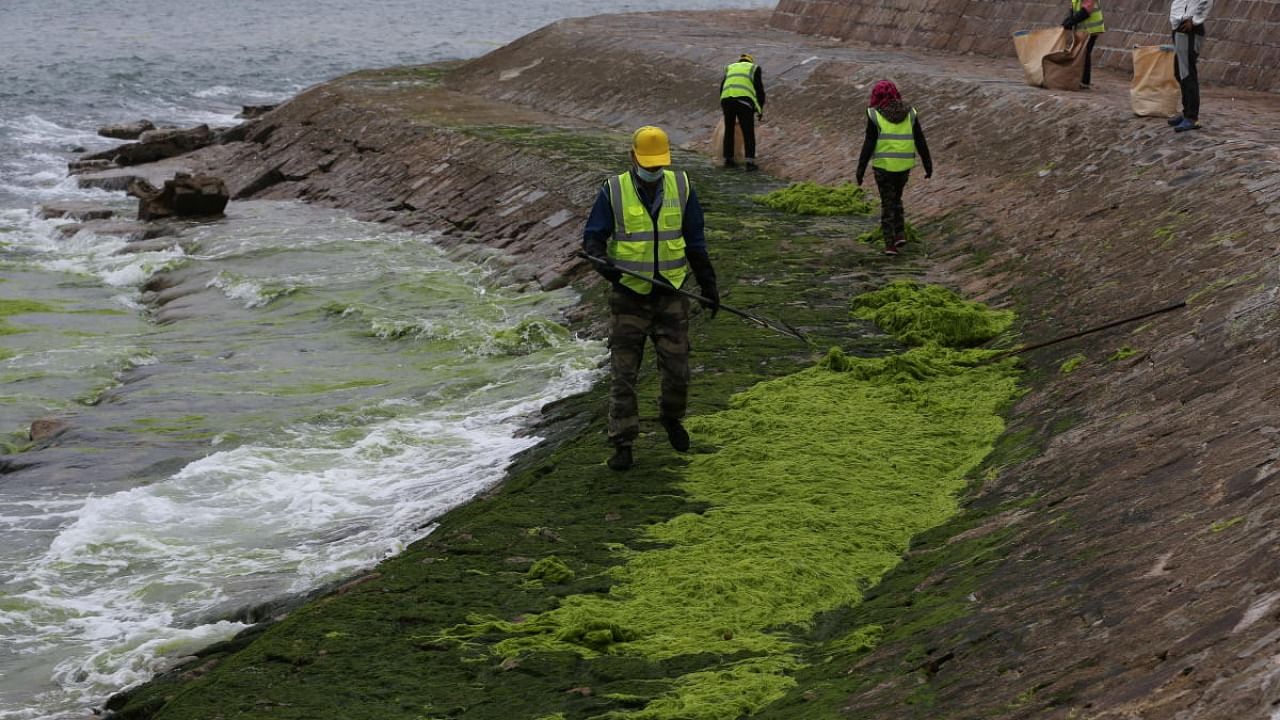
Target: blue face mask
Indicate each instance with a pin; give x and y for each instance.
(649, 175)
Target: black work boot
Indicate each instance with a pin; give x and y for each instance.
(676, 434)
(621, 459)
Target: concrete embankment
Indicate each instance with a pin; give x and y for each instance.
(1115, 557)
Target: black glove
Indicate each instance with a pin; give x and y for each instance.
(928, 174)
(700, 263)
(609, 271)
(710, 299)
(859, 179)
(603, 264)
(1075, 18)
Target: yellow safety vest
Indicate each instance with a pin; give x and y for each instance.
(896, 145)
(640, 243)
(1093, 23)
(739, 81)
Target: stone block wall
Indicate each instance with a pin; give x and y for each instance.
(1243, 47)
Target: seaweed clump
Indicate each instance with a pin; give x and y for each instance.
(809, 198)
(918, 315)
(820, 480)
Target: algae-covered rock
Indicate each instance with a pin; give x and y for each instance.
(529, 337)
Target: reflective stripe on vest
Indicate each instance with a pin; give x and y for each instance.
(896, 145)
(1093, 23)
(739, 82)
(641, 244)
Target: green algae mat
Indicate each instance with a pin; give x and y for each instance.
(688, 587)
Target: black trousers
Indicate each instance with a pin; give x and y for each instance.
(1186, 52)
(890, 184)
(739, 110)
(1088, 58)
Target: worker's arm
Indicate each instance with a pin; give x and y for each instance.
(868, 148)
(596, 234)
(757, 79)
(695, 250)
(922, 147)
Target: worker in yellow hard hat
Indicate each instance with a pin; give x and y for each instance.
(742, 101)
(647, 221)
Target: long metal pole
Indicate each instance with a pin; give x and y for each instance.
(1074, 335)
(694, 296)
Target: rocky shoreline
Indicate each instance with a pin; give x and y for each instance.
(1115, 556)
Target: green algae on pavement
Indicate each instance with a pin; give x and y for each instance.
(810, 198)
(9, 308)
(819, 482)
(1069, 365)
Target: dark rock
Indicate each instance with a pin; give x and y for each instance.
(235, 134)
(126, 131)
(252, 111)
(183, 196)
(74, 210)
(158, 144)
(130, 230)
(75, 167)
(47, 428)
(118, 178)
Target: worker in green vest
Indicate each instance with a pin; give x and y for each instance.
(893, 139)
(742, 101)
(1086, 15)
(648, 221)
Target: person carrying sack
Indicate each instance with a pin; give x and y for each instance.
(1086, 15)
(648, 221)
(742, 101)
(893, 139)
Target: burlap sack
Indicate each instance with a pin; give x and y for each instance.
(1064, 69)
(1154, 90)
(1033, 45)
(739, 154)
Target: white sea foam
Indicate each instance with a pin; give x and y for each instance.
(151, 572)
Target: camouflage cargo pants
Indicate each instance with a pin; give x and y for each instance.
(633, 318)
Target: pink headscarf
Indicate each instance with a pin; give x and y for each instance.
(884, 92)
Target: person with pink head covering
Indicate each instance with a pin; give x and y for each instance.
(893, 139)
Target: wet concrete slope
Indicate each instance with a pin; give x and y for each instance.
(1139, 577)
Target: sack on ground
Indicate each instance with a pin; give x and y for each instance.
(1064, 69)
(1033, 45)
(1154, 90)
(739, 153)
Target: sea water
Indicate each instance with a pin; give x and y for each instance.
(321, 389)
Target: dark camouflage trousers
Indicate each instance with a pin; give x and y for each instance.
(633, 318)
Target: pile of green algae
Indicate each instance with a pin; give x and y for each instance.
(687, 587)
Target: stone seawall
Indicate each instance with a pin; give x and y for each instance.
(1137, 488)
(1243, 47)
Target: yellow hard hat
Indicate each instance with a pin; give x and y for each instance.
(651, 147)
(747, 57)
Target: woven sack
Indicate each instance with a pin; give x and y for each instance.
(1154, 90)
(1031, 47)
(1064, 69)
